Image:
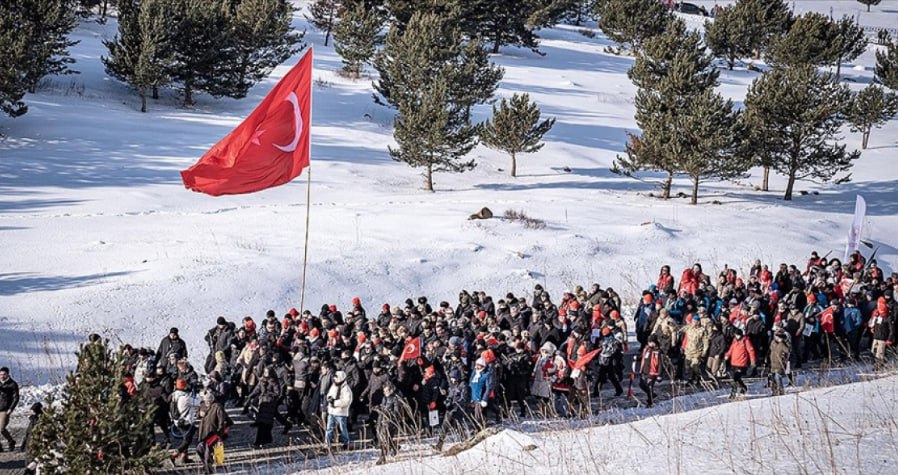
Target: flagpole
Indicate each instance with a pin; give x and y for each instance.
(305, 256)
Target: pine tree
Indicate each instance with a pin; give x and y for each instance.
(421, 70)
(850, 42)
(870, 2)
(458, 12)
(323, 16)
(203, 55)
(676, 79)
(768, 19)
(409, 63)
(96, 427)
(632, 22)
(431, 132)
(262, 38)
(139, 54)
(515, 128)
(810, 40)
(887, 66)
(871, 107)
(14, 55)
(729, 36)
(505, 22)
(48, 24)
(794, 115)
(711, 138)
(356, 37)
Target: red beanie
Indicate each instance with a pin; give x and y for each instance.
(356, 301)
(385, 307)
(812, 298)
(647, 299)
(314, 332)
(362, 338)
(293, 312)
(615, 314)
(333, 308)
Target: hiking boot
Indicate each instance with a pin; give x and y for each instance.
(381, 461)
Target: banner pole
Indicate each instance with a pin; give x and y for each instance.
(305, 254)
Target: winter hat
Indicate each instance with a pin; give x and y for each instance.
(362, 338)
(615, 314)
(356, 301)
(221, 321)
(812, 298)
(385, 307)
(181, 385)
(606, 331)
(339, 377)
(480, 362)
(173, 330)
(314, 332)
(492, 341)
(332, 308)
(548, 347)
(429, 372)
(647, 299)
(293, 312)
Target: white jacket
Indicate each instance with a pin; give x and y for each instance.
(342, 395)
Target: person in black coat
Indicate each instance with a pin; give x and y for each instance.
(390, 412)
(266, 396)
(458, 400)
(171, 344)
(218, 338)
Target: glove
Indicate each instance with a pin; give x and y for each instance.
(482, 403)
(330, 399)
(432, 406)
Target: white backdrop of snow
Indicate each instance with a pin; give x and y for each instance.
(98, 234)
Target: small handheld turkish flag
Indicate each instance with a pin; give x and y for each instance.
(269, 148)
(412, 349)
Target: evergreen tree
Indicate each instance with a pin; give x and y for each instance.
(97, 427)
(632, 22)
(887, 66)
(729, 36)
(870, 2)
(48, 24)
(262, 38)
(463, 15)
(203, 55)
(137, 55)
(711, 138)
(431, 132)
(323, 16)
(505, 22)
(676, 79)
(794, 115)
(410, 62)
(849, 43)
(515, 128)
(871, 107)
(356, 37)
(14, 55)
(768, 19)
(424, 71)
(810, 40)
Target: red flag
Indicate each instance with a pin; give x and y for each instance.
(412, 349)
(269, 148)
(585, 359)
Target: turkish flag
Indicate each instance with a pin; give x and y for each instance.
(412, 349)
(269, 148)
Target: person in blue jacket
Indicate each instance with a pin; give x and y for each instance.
(852, 323)
(481, 384)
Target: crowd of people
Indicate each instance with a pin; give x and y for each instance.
(416, 368)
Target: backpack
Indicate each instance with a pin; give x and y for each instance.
(608, 350)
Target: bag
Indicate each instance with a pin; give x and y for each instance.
(218, 453)
(433, 418)
(808, 329)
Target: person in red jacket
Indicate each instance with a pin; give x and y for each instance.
(741, 356)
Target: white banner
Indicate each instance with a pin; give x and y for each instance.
(857, 227)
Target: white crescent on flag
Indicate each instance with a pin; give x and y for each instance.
(298, 114)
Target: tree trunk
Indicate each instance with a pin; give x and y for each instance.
(788, 196)
(868, 8)
(765, 183)
(866, 138)
(694, 191)
(143, 101)
(666, 186)
(155, 91)
(838, 69)
(731, 62)
(514, 165)
(188, 94)
(428, 179)
(327, 36)
(496, 37)
(105, 8)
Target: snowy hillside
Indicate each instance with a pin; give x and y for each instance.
(98, 233)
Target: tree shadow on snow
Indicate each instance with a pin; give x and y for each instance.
(20, 282)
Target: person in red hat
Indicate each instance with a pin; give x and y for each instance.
(645, 318)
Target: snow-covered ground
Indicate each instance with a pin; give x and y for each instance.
(842, 429)
(98, 234)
